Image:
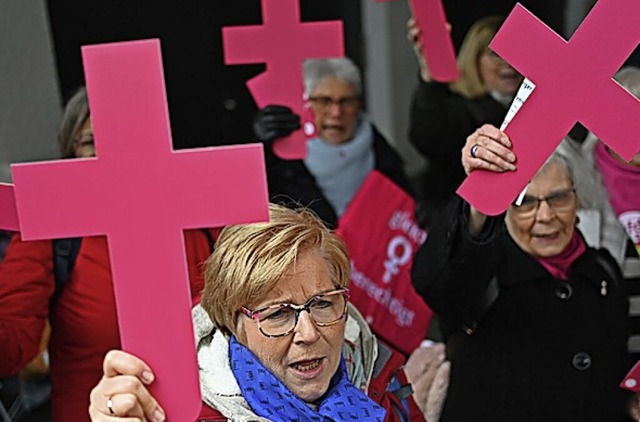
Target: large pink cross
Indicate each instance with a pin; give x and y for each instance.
(283, 43)
(9, 214)
(573, 83)
(141, 194)
(437, 46)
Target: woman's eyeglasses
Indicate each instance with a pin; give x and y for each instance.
(560, 200)
(325, 103)
(280, 320)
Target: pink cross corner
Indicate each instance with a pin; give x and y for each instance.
(141, 194)
(283, 43)
(573, 83)
(9, 214)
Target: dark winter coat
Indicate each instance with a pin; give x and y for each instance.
(440, 122)
(543, 349)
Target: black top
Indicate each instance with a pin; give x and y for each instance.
(544, 349)
(440, 122)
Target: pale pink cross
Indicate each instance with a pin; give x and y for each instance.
(9, 214)
(283, 43)
(437, 46)
(573, 83)
(142, 195)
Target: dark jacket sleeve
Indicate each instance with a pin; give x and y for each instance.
(26, 286)
(389, 163)
(440, 121)
(452, 269)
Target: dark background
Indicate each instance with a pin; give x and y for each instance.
(209, 103)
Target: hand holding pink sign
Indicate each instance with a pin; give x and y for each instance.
(563, 73)
(8, 213)
(141, 194)
(437, 46)
(435, 39)
(283, 43)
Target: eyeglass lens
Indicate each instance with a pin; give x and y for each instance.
(324, 309)
(557, 201)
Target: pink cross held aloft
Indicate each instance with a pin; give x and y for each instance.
(283, 43)
(141, 194)
(437, 46)
(9, 214)
(573, 83)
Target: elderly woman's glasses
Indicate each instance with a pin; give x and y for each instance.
(325, 103)
(280, 320)
(560, 200)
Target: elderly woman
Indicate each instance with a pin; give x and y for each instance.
(346, 149)
(443, 115)
(536, 321)
(276, 299)
(41, 282)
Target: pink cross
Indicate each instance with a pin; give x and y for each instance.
(9, 214)
(437, 46)
(573, 83)
(283, 43)
(141, 194)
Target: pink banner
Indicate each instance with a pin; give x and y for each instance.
(283, 43)
(142, 194)
(382, 245)
(573, 83)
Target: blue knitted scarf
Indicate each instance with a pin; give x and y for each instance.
(270, 398)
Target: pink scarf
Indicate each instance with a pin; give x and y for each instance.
(560, 265)
(622, 182)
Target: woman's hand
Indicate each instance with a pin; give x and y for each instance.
(427, 371)
(488, 148)
(413, 36)
(122, 393)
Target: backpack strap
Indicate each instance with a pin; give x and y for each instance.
(608, 268)
(209, 236)
(65, 253)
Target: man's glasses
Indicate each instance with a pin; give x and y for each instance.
(560, 200)
(280, 320)
(344, 103)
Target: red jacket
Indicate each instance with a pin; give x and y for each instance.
(84, 321)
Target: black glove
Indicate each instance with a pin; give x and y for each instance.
(273, 122)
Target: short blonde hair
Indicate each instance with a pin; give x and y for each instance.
(250, 259)
(475, 43)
